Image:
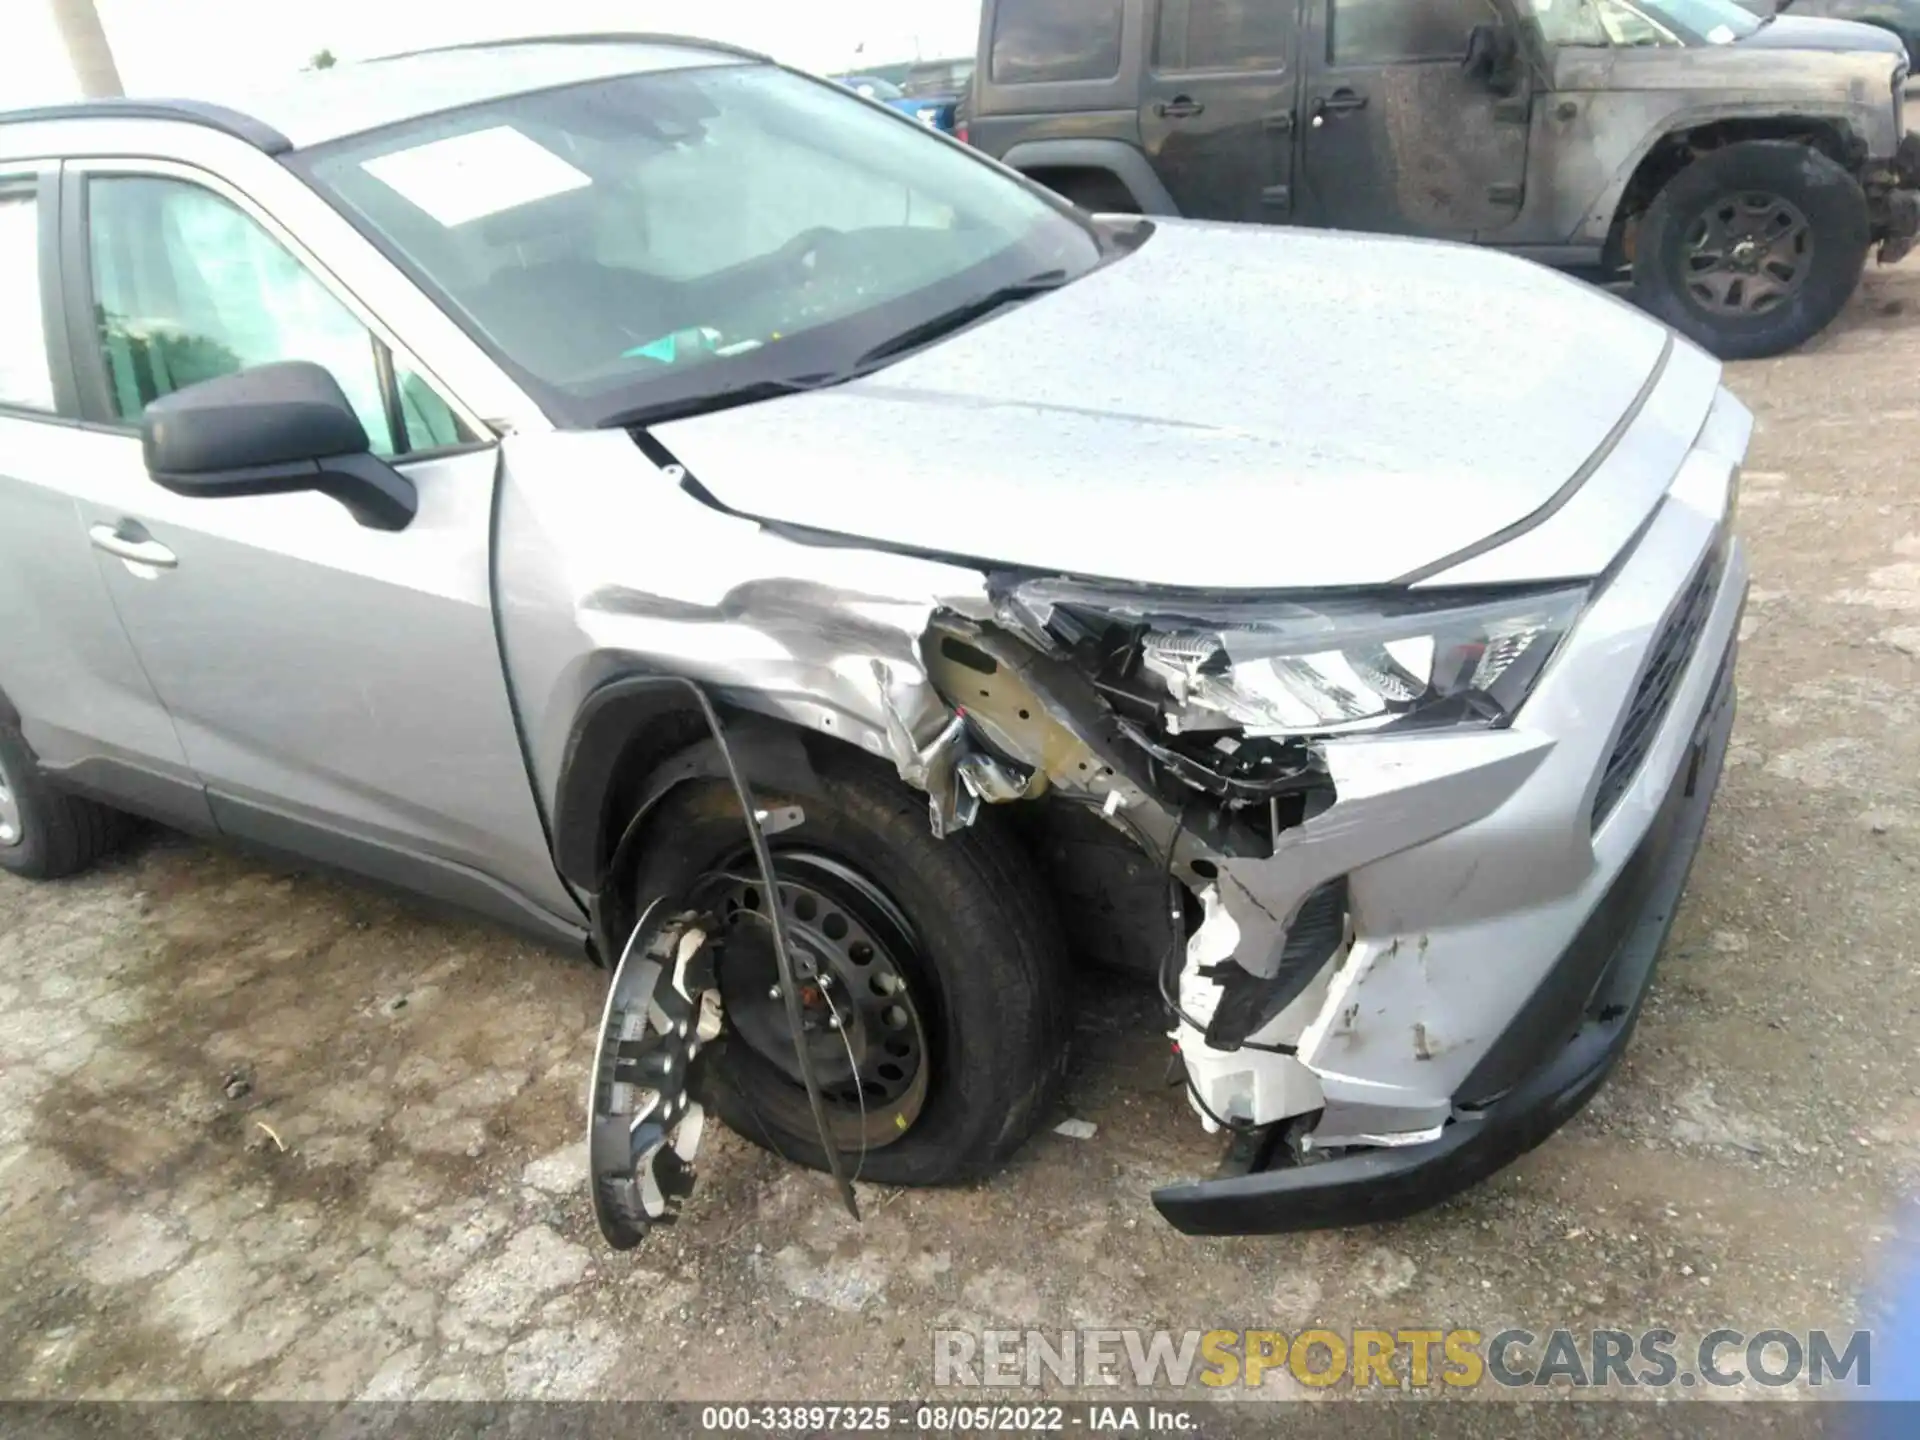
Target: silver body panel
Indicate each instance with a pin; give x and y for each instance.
(1399, 410)
(67, 666)
(1264, 388)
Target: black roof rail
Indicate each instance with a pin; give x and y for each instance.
(604, 37)
(191, 112)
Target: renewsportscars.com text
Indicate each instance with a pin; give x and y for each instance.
(1402, 1358)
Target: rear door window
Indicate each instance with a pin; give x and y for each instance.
(26, 379)
(1038, 41)
(1223, 35)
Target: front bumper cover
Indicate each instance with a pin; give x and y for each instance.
(1610, 962)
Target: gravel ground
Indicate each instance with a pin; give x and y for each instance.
(265, 1134)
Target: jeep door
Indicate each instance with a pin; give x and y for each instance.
(1397, 138)
(1218, 106)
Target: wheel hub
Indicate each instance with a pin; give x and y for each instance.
(861, 1021)
(1747, 254)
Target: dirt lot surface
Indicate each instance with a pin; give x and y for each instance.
(169, 1024)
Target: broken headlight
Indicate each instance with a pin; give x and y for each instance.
(1321, 667)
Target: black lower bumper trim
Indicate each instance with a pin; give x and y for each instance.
(1369, 1186)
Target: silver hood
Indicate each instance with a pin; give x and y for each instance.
(1228, 407)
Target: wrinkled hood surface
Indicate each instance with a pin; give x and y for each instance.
(1228, 407)
(1807, 32)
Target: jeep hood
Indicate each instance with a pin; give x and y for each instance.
(1227, 407)
(1807, 32)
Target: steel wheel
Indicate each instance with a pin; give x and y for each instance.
(858, 964)
(1747, 254)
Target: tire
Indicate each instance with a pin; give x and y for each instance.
(1742, 192)
(46, 834)
(984, 970)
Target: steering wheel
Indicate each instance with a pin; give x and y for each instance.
(799, 253)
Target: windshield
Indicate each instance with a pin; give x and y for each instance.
(871, 86)
(657, 243)
(1642, 22)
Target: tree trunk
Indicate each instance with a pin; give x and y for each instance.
(87, 47)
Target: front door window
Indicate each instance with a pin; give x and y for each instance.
(188, 287)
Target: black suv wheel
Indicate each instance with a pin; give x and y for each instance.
(1753, 249)
(45, 834)
(933, 978)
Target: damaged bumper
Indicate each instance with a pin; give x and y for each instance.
(1433, 951)
(1601, 978)
(1896, 203)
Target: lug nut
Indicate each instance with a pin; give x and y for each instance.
(774, 993)
(833, 1022)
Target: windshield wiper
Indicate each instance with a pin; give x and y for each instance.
(948, 321)
(912, 338)
(707, 401)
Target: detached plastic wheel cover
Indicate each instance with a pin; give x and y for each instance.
(643, 1131)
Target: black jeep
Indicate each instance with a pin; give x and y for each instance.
(1735, 168)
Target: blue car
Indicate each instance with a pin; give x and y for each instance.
(936, 111)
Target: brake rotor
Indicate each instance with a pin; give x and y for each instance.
(643, 1129)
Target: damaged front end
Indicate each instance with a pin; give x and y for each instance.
(1893, 200)
(1374, 897)
(1202, 730)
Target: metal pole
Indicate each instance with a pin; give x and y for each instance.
(87, 47)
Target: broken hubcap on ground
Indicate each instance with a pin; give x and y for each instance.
(642, 1129)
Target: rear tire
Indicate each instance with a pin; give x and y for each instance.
(1754, 249)
(980, 954)
(46, 834)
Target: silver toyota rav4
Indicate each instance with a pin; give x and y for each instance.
(1337, 630)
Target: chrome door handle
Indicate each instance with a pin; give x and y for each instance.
(134, 552)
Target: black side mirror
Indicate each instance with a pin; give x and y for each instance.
(1493, 58)
(273, 430)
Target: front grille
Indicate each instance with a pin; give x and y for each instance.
(1665, 665)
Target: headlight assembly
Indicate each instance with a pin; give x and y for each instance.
(1297, 668)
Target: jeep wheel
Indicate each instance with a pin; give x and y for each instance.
(1753, 249)
(44, 833)
(933, 980)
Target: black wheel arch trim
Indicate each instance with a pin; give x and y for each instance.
(638, 709)
(1122, 161)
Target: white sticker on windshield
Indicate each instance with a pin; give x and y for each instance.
(481, 173)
